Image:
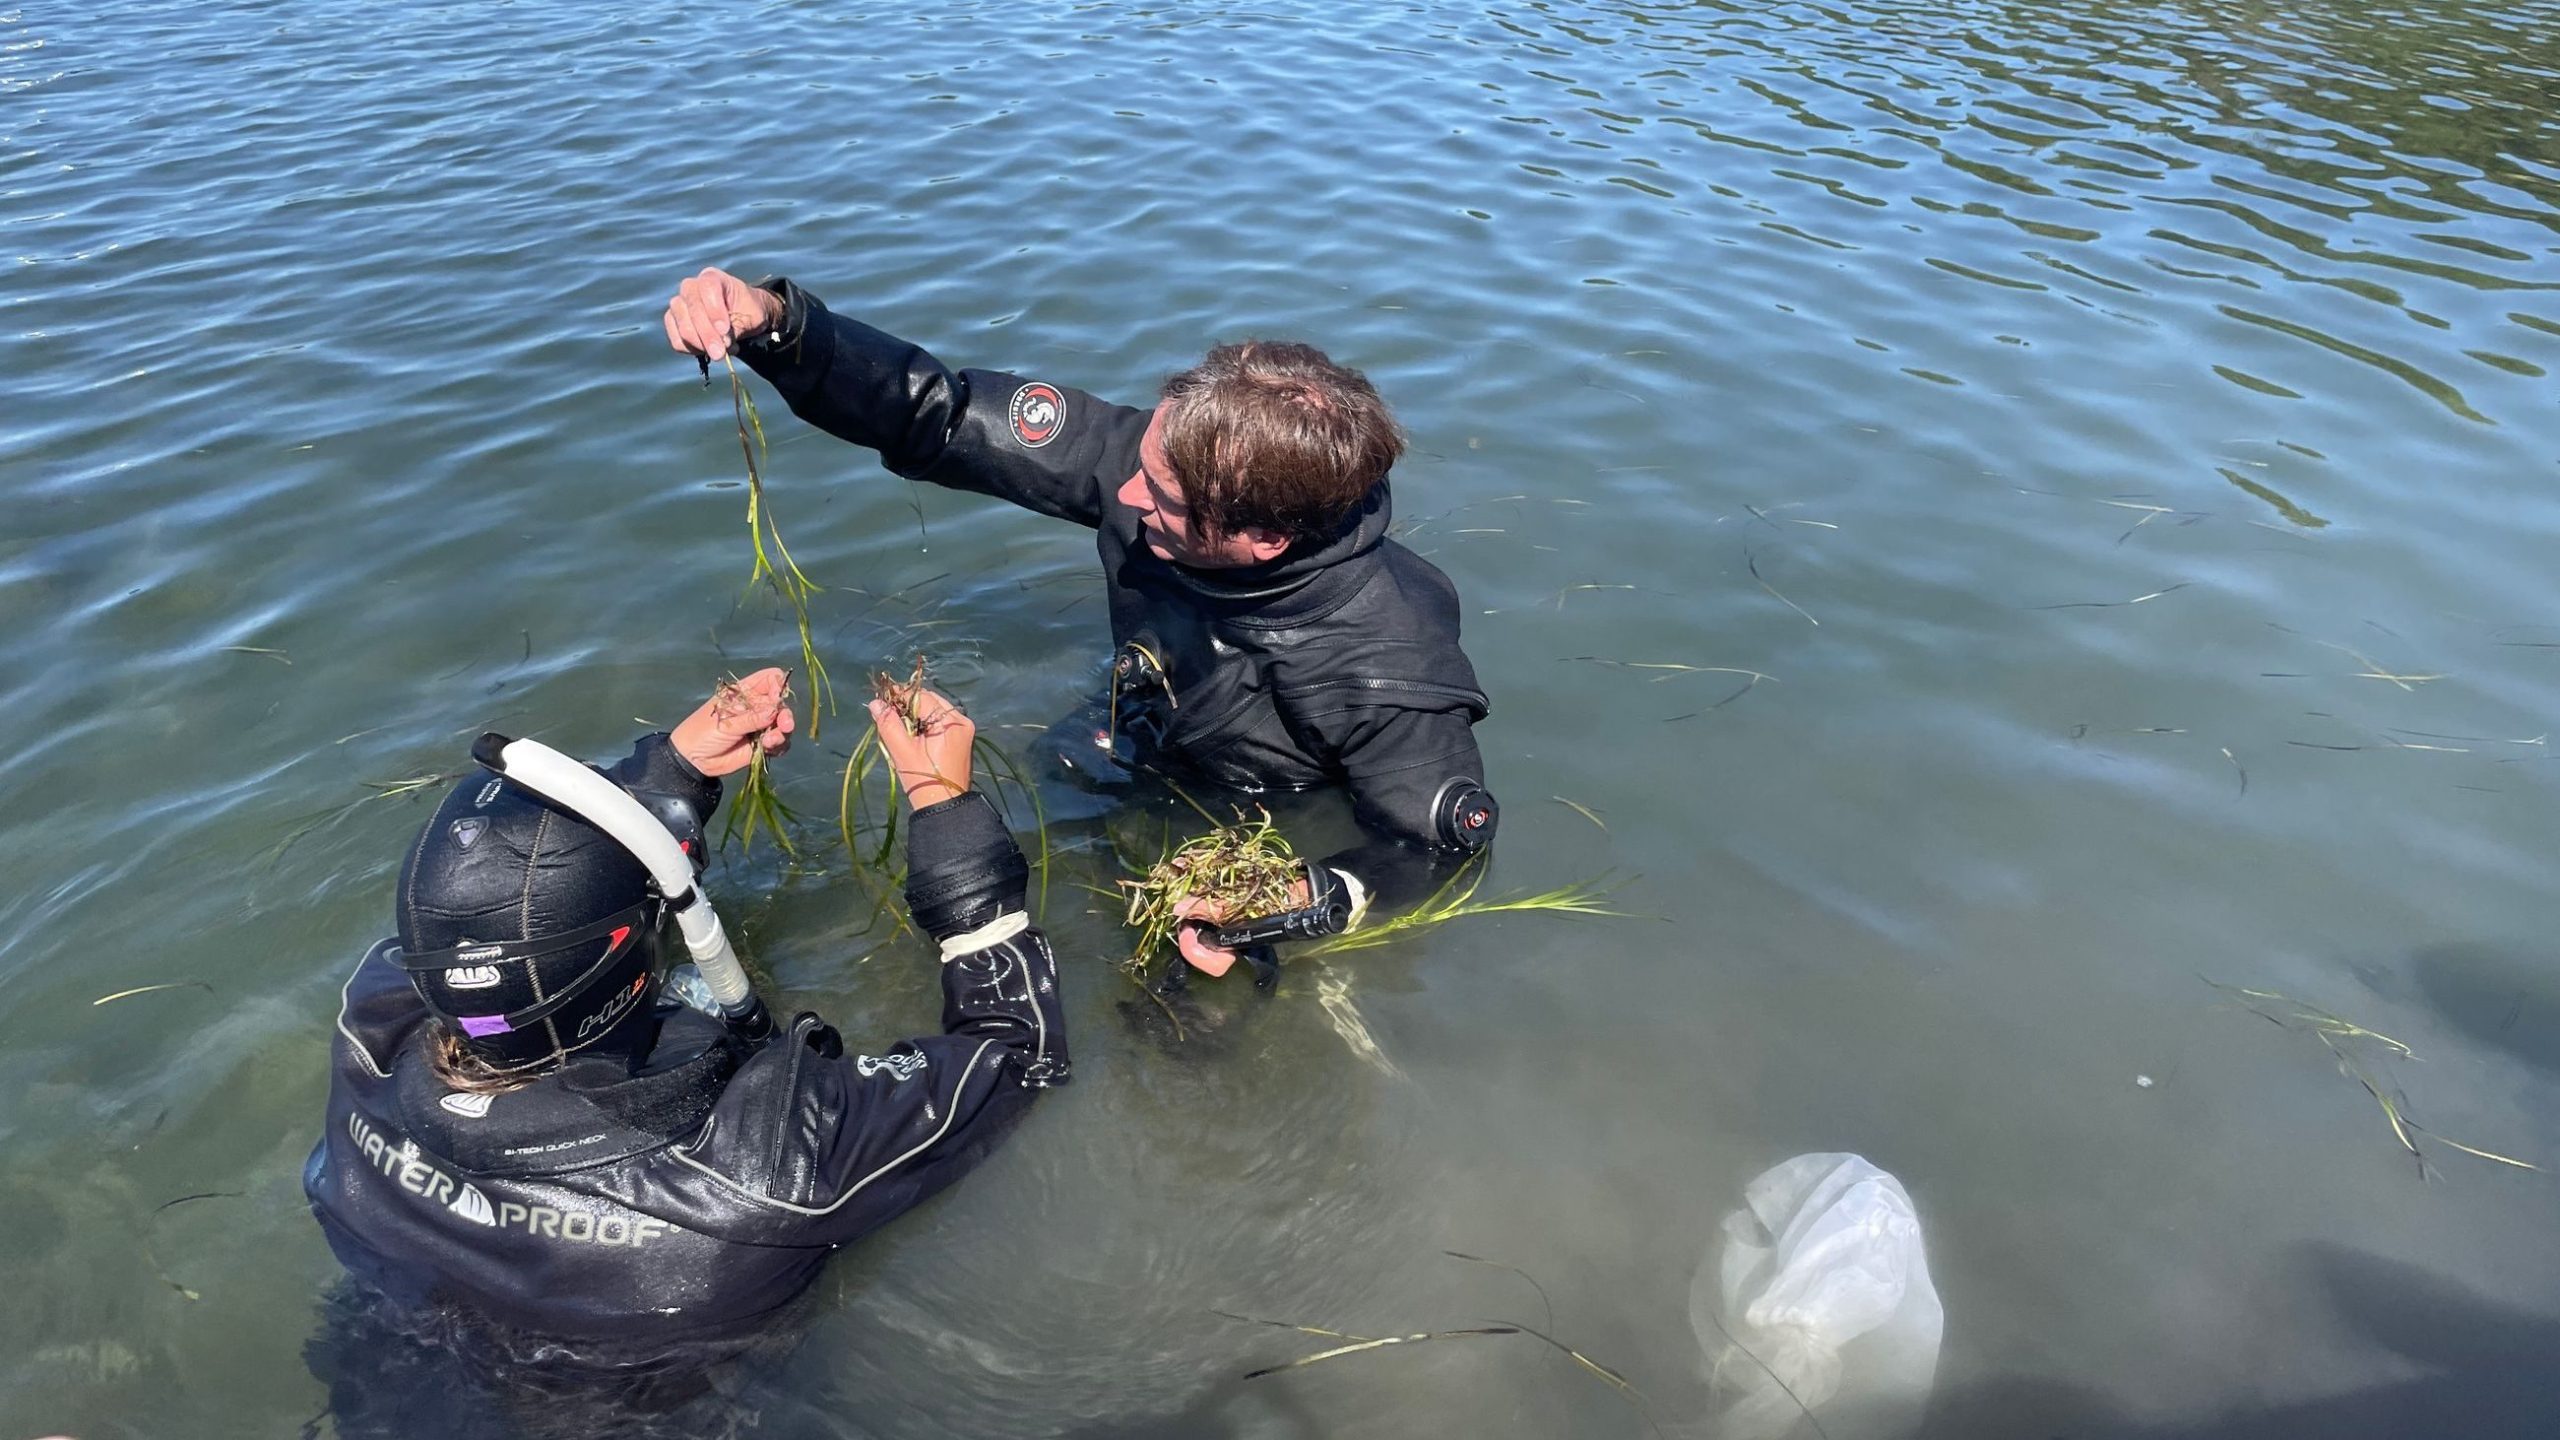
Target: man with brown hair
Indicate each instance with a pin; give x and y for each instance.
(1269, 635)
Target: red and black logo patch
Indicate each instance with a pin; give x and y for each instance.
(1038, 413)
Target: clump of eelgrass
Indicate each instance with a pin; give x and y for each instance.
(793, 587)
(876, 864)
(1245, 870)
(757, 806)
(2338, 1035)
(1456, 899)
(900, 695)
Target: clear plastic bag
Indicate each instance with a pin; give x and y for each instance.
(1821, 1301)
(685, 985)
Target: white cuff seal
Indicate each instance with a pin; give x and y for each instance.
(1359, 897)
(994, 932)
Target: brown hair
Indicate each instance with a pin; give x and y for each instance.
(1273, 434)
(456, 1068)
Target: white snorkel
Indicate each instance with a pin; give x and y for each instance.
(601, 803)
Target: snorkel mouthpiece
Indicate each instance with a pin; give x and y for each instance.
(601, 803)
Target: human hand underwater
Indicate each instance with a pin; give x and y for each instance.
(1200, 915)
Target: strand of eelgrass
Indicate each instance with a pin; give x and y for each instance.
(1001, 771)
(1360, 1344)
(382, 790)
(2332, 1032)
(1455, 900)
(879, 870)
(872, 873)
(786, 579)
(759, 807)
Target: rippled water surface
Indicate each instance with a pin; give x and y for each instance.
(2119, 438)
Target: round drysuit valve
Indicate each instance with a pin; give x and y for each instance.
(1467, 815)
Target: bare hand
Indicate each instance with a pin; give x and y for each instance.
(725, 731)
(932, 760)
(1201, 915)
(713, 309)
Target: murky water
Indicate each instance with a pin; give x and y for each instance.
(2120, 436)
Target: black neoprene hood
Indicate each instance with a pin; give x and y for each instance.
(493, 876)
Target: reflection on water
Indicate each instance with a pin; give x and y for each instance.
(1987, 512)
(2225, 147)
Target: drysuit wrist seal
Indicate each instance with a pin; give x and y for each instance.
(786, 328)
(963, 868)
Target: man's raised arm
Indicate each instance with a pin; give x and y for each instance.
(1041, 446)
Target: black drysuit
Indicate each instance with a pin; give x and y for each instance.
(1336, 663)
(701, 1185)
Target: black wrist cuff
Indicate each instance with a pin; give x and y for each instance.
(658, 767)
(784, 334)
(963, 868)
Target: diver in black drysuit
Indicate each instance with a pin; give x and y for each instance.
(1337, 662)
(659, 1178)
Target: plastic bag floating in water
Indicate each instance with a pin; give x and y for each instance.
(1824, 1283)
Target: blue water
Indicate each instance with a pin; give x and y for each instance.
(2119, 438)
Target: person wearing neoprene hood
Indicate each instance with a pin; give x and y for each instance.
(1268, 634)
(522, 1122)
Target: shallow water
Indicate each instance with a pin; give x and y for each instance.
(2121, 436)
